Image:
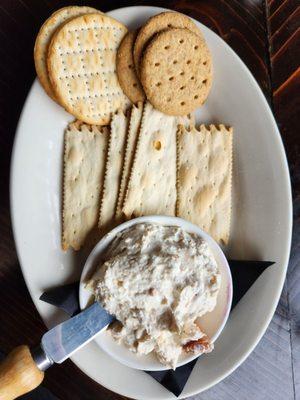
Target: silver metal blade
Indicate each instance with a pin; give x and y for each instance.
(63, 340)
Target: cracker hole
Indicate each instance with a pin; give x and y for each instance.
(196, 97)
(204, 82)
(182, 73)
(171, 78)
(175, 62)
(134, 85)
(157, 64)
(182, 103)
(205, 62)
(169, 25)
(169, 99)
(157, 144)
(158, 84)
(188, 61)
(192, 78)
(182, 87)
(167, 47)
(196, 47)
(181, 41)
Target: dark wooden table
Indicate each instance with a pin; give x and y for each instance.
(265, 34)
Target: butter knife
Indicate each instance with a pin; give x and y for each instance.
(23, 369)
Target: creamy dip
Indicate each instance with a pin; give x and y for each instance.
(157, 280)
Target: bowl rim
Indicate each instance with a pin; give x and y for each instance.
(167, 221)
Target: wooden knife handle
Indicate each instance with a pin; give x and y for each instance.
(18, 374)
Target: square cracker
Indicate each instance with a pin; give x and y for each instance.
(152, 183)
(133, 133)
(134, 126)
(84, 161)
(204, 175)
(113, 170)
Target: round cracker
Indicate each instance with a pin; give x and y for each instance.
(176, 71)
(127, 76)
(44, 37)
(82, 67)
(156, 24)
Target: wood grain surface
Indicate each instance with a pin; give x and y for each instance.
(265, 34)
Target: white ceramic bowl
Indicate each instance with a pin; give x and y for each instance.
(212, 323)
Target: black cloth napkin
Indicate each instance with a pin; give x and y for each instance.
(244, 274)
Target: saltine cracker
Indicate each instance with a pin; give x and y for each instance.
(84, 163)
(132, 137)
(204, 178)
(113, 170)
(152, 183)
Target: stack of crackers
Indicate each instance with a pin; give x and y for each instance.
(124, 160)
(168, 62)
(146, 163)
(91, 65)
(75, 59)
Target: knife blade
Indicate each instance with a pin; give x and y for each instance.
(60, 342)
